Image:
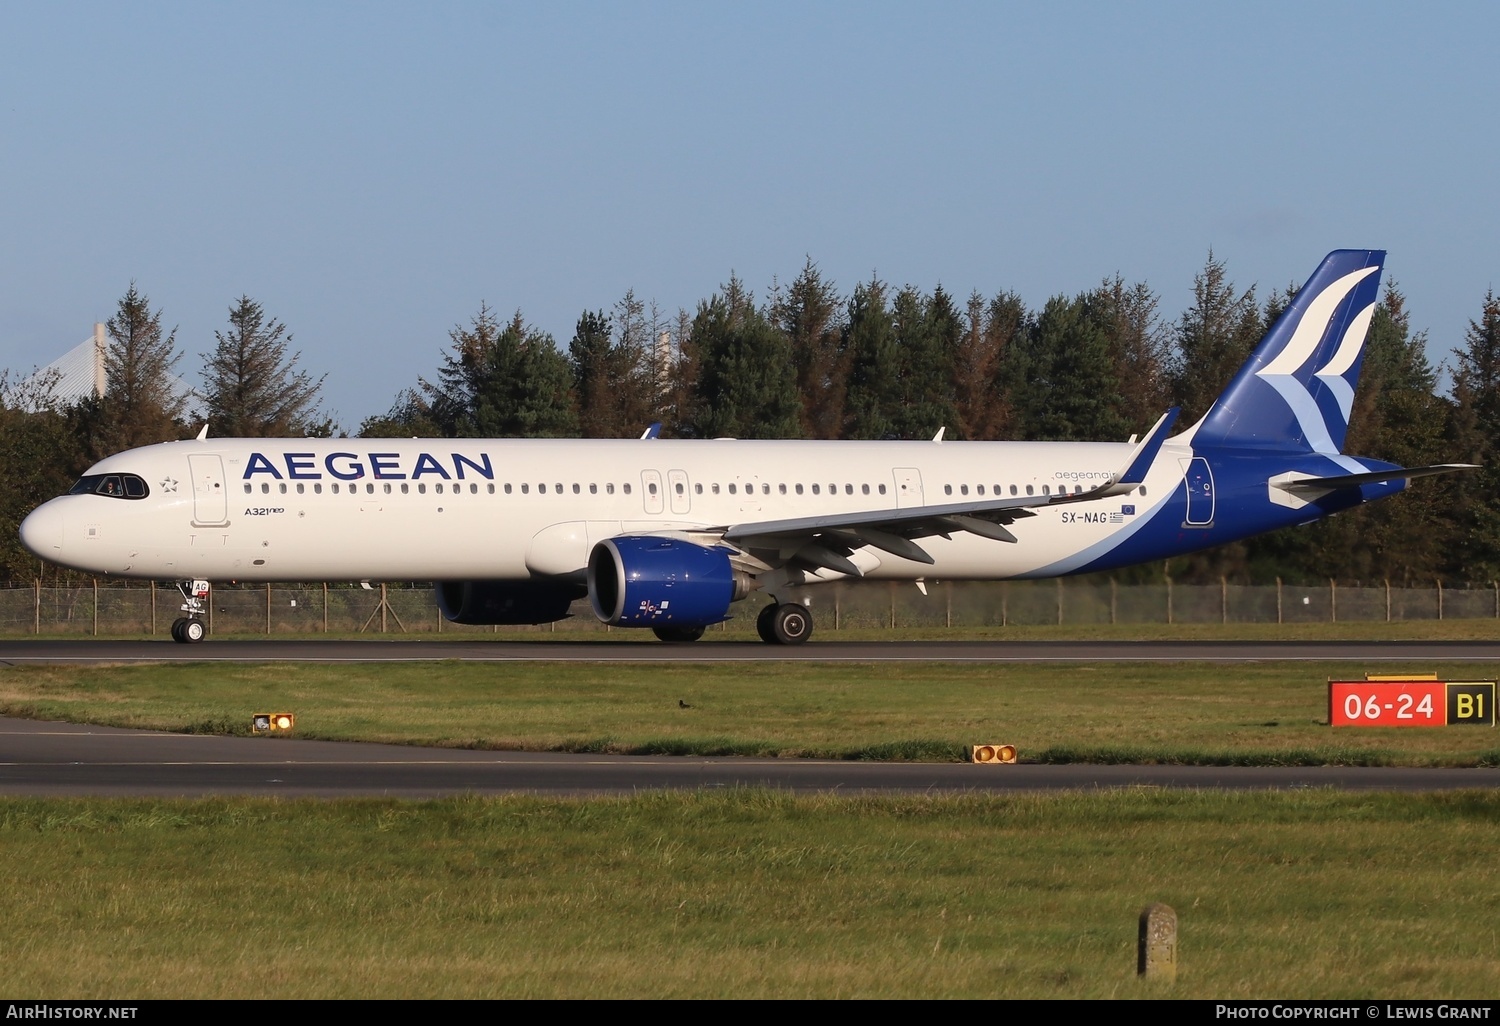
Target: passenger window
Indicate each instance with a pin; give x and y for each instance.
(716, 488)
(1029, 490)
(799, 489)
(370, 487)
(541, 489)
(609, 488)
(593, 489)
(576, 488)
(281, 488)
(865, 489)
(507, 488)
(651, 488)
(1143, 489)
(301, 487)
(265, 489)
(815, 490)
(387, 487)
(1013, 489)
(765, 489)
(626, 487)
(848, 489)
(882, 489)
(317, 489)
(335, 488)
(558, 487)
(698, 489)
(947, 489)
(1046, 489)
(405, 488)
(680, 489)
(474, 489)
(782, 489)
(247, 487)
(731, 488)
(489, 488)
(963, 489)
(981, 489)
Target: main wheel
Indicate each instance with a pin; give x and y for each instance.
(792, 623)
(177, 630)
(765, 624)
(678, 633)
(194, 631)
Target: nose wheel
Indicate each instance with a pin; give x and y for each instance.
(187, 631)
(190, 629)
(788, 623)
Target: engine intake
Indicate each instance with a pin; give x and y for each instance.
(659, 582)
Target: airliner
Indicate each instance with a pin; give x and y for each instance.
(667, 534)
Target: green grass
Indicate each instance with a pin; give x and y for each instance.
(751, 894)
(1248, 714)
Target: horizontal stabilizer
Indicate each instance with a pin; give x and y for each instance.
(1325, 484)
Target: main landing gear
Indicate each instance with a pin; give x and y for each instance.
(191, 629)
(786, 623)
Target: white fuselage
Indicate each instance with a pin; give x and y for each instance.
(511, 509)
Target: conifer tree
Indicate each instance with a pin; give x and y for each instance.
(143, 402)
(808, 314)
(746, 383)
(873, 401)
(252, 388)
(1214, 338)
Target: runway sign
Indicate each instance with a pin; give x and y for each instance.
(1411, 703)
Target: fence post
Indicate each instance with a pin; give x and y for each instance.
(948, 591)
(838, 594)
(96, 607)
(1388, 600)
(325, 607)
(153, 609)
(1278, 600)
(893, 605)
(1333, 601)
(383, 608)
(1169, 600)
(1004, 603)
(1223, 599)
(1440, 599)
(39, 605)
(1059, 601)
(268, 609)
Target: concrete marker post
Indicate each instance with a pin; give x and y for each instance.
(1156, 947)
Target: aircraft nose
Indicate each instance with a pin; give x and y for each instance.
(42, 531)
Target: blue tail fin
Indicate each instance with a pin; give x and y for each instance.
(1297, 388)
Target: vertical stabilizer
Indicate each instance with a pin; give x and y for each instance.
(1297, 388)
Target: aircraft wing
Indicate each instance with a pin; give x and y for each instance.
(828, 541)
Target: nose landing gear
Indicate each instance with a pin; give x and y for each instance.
(190, 629)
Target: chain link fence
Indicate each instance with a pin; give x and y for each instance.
(115, 609)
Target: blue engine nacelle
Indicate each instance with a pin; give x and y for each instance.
(662, 582)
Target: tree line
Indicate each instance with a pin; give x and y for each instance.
(809, 361)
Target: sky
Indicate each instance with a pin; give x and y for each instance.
(371, 173)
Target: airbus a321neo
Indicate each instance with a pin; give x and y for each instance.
(667, 534)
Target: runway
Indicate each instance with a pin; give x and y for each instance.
(44, 759)
(86, 651)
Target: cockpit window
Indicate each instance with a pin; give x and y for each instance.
(116, 486)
